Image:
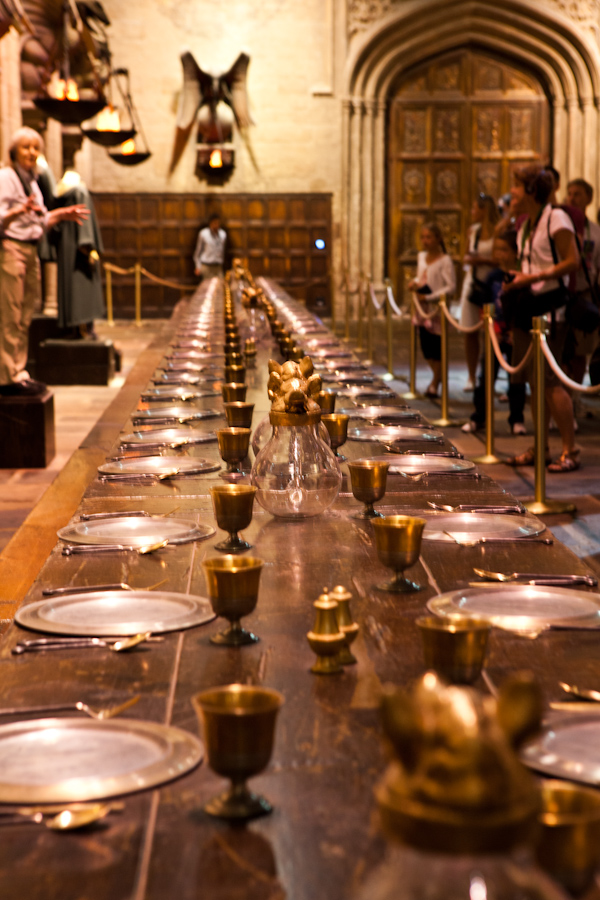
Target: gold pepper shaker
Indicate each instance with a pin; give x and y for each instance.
(326, 639)
(345, 622)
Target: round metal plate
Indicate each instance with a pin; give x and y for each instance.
(414, 464)
(174, 413)
(156, 465)
(393, 433)
(358, 391)
(517, 607)
(115, 613)
(169, 392)
(382, 414)
(470, 526)
(163, 437)
(67, 760)
(135, 531)
(567, 749)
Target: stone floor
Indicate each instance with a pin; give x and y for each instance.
(79, 407)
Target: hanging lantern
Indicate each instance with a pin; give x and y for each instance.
(129, 154)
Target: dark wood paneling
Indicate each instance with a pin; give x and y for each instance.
(276, 232)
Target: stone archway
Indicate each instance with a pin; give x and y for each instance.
(565, 59)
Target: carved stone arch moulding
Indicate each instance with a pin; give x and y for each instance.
(558, 41)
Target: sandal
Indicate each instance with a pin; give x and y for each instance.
(431, 393)
(568, 461)
(526, 459)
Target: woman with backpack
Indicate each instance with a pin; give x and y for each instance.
(548, 254)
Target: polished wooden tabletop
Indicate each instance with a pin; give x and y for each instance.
(322, 838)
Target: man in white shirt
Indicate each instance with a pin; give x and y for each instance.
(209, 254)
(580, 194)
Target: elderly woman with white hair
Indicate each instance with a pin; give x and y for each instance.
(23, 220)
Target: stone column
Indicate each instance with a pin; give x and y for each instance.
(379, 169)
(367, 198)
(356, 188)
(590, 156)
(575, 142)
(10, 90)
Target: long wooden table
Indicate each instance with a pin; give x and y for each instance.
(322, 840)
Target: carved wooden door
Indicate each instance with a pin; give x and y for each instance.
(457, 126)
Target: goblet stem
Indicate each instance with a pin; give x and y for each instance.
(234, 544)
(399, 585)
(238, 803)
(234, 636)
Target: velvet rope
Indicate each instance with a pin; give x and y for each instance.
(512, 370)
(568, 382)
(465, 329)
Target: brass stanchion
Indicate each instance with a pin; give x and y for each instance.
(369, 358)
(444, 420)
(138, 294)
(540, 505)
(109, 298)
(489, 457)
(412, 393)
(347, 292)
(389, 375)
(359, 324)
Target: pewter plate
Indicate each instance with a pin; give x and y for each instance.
(384, 414)
(519, 607)
(567, 748)
(168, 392)
(174, 413)
(471, 526)
(346, 378)
(163, 437)
(135, 531)
(414, 464)
(75, 760)
(115, 613)
(358, 391)
(393, 433)
(157, 465)
(195, 354)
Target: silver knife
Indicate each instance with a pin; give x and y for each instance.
(87, 517)
(86, 589)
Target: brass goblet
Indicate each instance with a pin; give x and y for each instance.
(369, 482)
(337, 427)
(232, 505)
(233, 358)
(234, 391)
(326, 400)
(455, 648)
(233, 447)
(398, 542)
(235, 373)
(232, 583)
(239, 415)
(569, 839)
(239, 729)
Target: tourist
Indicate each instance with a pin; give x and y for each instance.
(209, 255)
(478, 264)
(539, 289)
(435, 278)
(23, 220)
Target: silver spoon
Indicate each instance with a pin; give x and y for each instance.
(583, 693)
(539, 579)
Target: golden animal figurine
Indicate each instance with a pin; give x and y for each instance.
(457, 784)
(293, 387)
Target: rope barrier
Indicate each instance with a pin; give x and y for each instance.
(568, 382)
(392, 302)
(117, 270)
(170, 284)
(373, 296)
(512, 370)
(465, 329)
(420, 311)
